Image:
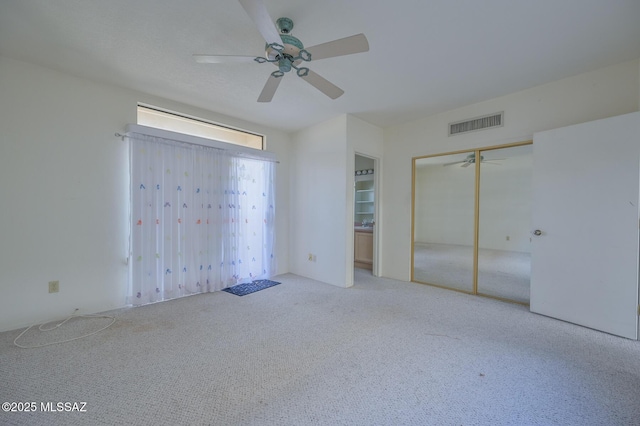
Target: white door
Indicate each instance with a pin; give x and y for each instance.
(584, 266)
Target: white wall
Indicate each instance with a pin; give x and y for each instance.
(318, 200)
(601, 93)
(64, 191)
(322, 177)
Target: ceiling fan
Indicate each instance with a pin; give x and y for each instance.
(287, 52)
(471, 159)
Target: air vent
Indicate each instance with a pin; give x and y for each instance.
(479, 123)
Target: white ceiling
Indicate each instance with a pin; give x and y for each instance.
(425, 56)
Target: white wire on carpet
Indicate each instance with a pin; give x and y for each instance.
(73, 315)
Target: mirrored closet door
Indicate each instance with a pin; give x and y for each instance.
(444, 194)
(504, 240)
(471, 221)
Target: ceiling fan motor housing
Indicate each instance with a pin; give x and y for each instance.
(292, 46)
(471, 158)
(292, 50)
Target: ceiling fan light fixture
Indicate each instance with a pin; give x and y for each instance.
(302, 72)
(275, 46)
(277, 74)
(304, 55)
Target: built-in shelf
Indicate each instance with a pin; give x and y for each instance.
(364, 200)
(364, 178)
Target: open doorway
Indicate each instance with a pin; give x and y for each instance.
(365, 214)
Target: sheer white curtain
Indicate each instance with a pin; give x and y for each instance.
(202, 219)
(248, 221)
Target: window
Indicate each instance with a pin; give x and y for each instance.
(159, 119)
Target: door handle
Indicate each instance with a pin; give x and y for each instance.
(537, 232)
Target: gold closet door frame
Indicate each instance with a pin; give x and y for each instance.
(476, 214)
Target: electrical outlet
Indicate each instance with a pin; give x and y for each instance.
(54, 286)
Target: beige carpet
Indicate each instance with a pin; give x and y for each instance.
(306, 353)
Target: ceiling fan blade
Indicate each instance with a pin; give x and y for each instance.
(323, 85)
(466, 164)
(452, 164)
(269, 89)
(344, 46)
(257, 11)
(222, 59)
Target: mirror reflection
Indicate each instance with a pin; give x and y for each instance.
(444, 221)
(504, 254)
